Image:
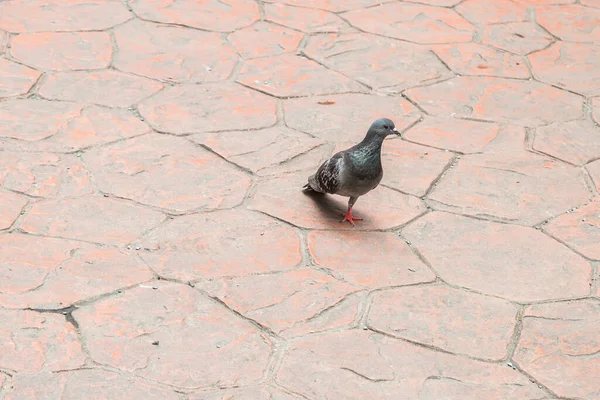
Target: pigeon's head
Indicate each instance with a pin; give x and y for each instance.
(383, 127)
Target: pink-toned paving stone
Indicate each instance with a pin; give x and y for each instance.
(577, 142)
(413, 22)
(257, 150)
(22, 16)
(264, 39)
(573, 22)
(3, 41)
(221, 243)
(377, 62)
(213, 15)
(282, 302)
(518, 102)
(476, 59)
(208, 108)
(594, 170)
(11, 205)
(383, 259)
(44, 174)
(596, 109)
(579, 229)
(155, 331)
(167, 172)
(519, 38)
(283, 198)
(460, 135)
(513, 262)
(411, 168)
(522, 187)
(308, 20)
(346, 118)
(439, 3)
(173, 53)
(331, 5)
(493, 12)
(251, 393)
(573, 66)
(365, 365)
(107, 87)
(32, 342)
(301, 162)
(559, 346)
(85, 384)
(62, 272)
(291, 75)
(63, 50)
(95, 219)
(15, 79)
(451, 319)
(590, 3)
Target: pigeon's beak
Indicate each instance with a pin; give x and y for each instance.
(396, 131)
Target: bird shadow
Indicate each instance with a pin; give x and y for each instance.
(327, 206)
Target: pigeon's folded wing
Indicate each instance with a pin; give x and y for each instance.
(327, 178)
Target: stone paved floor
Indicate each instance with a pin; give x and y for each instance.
(155, 244)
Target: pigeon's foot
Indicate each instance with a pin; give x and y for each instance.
(350, 218)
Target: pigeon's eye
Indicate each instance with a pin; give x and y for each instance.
(385, 127)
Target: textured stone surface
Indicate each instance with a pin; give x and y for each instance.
(120, 332)
(571, 22)
(167, 172)
(526, 103)
(331, 5)
(250, 393)
(63, 50)
(579, 229)
(594, 170)
(520, 189)
(517, 37)
(464, 323)
(16, 78)
(365, 365)
(108, 88)
(95, 219)
(173, 53)
(513, 262)
(577, 142)
(564, 334)
(413, 22)
(85, 384)
(384, 259)
(222, 243)
(11, 204)
(492, 12)
(309, 20)
(206, 108)
(33, 342)
(264, 39)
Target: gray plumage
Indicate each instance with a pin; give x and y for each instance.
(355, 171)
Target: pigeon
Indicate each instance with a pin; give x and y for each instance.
(355, 171)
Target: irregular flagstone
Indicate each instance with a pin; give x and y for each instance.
(167, 172)
(513, 262)
(155, 332)
(331, 5)
(257, 150)
(283, 198)
(451, 319)
(377, 62)
(290, 75)
(173, 53)
(16, 79)
(517, 102)
(595, 102)
(594, 170)
(63, 50)
(61, 15)
(221, 243)
(519, 38)
(383, 260)
(413, 22)
(252, 393)
(208, 108)
(213, 15)
(44, 174)
(62, 272)
(85, 384)
(572, 22)
(346, 117)
(91, 218)
(283, 302)
(264, 39)
(493, 12)
(11, 205)
(577, 142)
(517, 186)
(308, 20)
(579, 229)
(366, 365)
(32, 341)
(559, 346)
(3, 41)
(106, 87)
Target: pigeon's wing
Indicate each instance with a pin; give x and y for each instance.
(327, 178)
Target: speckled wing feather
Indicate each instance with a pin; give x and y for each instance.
(327, 178)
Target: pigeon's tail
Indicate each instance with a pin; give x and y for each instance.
(312, 186)
(308, 188)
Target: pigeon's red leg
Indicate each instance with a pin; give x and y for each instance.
(349, 217)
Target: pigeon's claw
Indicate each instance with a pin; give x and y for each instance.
(350, 218)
